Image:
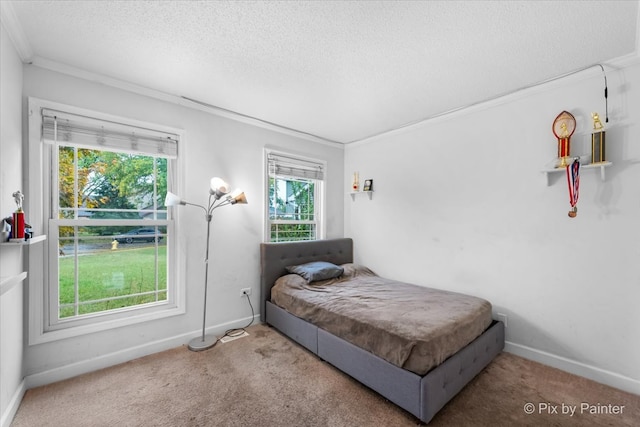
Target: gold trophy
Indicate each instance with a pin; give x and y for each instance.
(563, 127)
(597, 140)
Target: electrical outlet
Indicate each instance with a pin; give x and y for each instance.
(503, 318)
(245, 291)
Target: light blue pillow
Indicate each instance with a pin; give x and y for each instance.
(317, 270)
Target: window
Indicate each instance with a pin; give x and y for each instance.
(110, 235)
(295, 198)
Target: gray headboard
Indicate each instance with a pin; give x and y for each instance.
(274, 257)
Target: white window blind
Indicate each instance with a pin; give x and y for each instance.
(81, 131)
(287, 165)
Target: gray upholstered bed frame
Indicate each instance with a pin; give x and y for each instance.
(422, 396)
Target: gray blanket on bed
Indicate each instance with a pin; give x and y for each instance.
(412, 327)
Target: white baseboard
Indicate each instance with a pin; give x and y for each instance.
(122, 356)
(574, 367)
(12, 408)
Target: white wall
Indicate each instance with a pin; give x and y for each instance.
(11, 324)
(213, 146)
(460, 204)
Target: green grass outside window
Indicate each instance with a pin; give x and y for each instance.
(112, 274)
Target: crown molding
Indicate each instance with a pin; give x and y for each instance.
(175, 99)
(19, 40)
(14, 30)
(574, 76)
(615, 64)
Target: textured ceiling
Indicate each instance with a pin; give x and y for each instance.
(342, 71)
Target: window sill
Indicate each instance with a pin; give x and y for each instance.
(40, 337)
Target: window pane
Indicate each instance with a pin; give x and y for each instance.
(66, 172)
(292, 209)
(110, 185)
(291, 199)
(292, 232)
(97, 273)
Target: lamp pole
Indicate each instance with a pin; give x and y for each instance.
(205, 342)
(219, 188)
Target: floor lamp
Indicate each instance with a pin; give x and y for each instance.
(218, 189)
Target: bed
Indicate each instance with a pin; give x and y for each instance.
(420, 390)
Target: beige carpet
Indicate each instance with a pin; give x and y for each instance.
(267, 380)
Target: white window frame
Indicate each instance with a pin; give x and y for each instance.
(41, 259)
(319, 189)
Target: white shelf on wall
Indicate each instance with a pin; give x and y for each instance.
(602, 165)
(8, 282)
(30, 241)
(355, 193)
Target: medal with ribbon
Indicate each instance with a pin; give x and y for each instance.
(573, 181)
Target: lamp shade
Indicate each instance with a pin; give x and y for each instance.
(238, 197)
(173, 199)
(219, 186)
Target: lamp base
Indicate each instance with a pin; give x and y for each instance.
(198, 344)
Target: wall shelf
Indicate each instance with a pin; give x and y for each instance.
(30, 241)
(8, 282)
(550, 171)
(355, 193)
